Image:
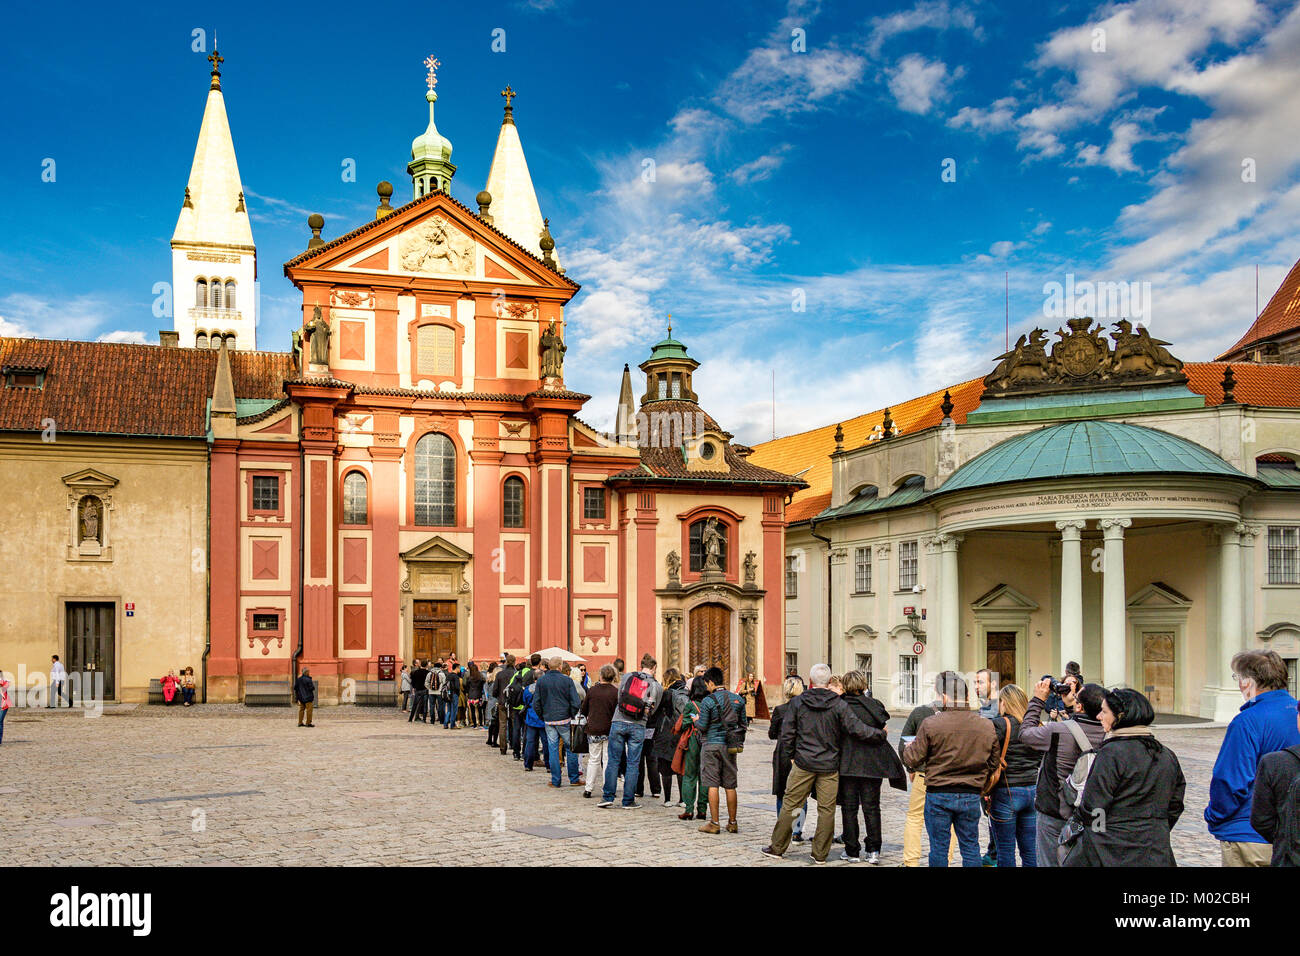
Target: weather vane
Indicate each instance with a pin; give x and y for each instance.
(670, 325)
(431, 64)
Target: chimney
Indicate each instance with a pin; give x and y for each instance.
(169, 338)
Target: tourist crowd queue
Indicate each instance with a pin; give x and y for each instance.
(1068, 775)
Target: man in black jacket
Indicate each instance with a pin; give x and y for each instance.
(811, 732)
(304, 692)
(1276, 775)
(419, 692)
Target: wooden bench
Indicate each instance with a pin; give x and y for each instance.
(376, 693)
(268, 693)
(155, 691)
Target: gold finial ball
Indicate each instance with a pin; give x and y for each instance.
(316, 221)
(484, 198)
(384, 189)
(547, 243)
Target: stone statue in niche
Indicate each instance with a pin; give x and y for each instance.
(319, 331)
(712, 540)
(674, 563)
(553, 349)
(91, 519)
(751, 569)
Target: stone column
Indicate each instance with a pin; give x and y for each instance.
(1114, 619)
(1249, 532)
(1071, 591)
(1229, 603)
(947, 653)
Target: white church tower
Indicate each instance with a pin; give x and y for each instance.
(214, 261)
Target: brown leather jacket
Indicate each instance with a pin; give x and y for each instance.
(955, 750)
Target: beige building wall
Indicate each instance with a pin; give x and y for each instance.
(154, 554)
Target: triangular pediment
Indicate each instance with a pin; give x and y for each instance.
(437, 548)
(432, 237)
(1004, 596)
(89, 479)
(1158, 595)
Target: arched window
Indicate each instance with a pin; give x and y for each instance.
(230, 341)
(215, 341)
(708, 534)
(230, 293)
(512, 509)
(436, 350)
(420, 183)
(201, 340)
(435, 481)
(216, 294)
(201, 293)
(354, 498)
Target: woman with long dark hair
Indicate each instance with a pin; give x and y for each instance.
(1133, 795)
(474, 682)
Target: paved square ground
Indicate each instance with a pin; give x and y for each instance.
(225, 784)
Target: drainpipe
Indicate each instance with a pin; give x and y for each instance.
(302, 517)
(207, 581)
(830, 590)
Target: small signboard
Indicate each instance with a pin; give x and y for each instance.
(909, 611)
(130, 608)
(918, 648)
(387, 666)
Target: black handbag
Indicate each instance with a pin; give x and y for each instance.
(577, 738)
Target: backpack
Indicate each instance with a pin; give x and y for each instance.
(632, 696)
(1286, 838)
(1072, 786)
(1001, 768)
(733, 728)
(515, 690)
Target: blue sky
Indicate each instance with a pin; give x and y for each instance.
(1102, 141)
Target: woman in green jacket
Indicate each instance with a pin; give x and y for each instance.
(695, 797)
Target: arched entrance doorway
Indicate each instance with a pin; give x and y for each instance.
(710, 641)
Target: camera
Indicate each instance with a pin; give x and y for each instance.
(1059, 687)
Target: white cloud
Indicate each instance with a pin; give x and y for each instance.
(1118, 154)
(929, 14)
(122, 335)
(998, 118)
(917, 83)
(761, 168)
(73, 318)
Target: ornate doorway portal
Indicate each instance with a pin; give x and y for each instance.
(710, 640)
(433, 631)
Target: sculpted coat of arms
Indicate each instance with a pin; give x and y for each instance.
(434, 246)
(1082, 357)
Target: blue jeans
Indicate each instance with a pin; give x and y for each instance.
(625, 743)
(554, 734)
(1015, 822)
(946, 811)
(531, 737)
(449, 708)
(2, 724)
(799, 820)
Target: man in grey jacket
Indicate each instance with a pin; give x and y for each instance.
(1058, 738)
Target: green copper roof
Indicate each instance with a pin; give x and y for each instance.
(1278, 476)
(908, 493)
(431, 146)
(1087, 448)
(668, 348)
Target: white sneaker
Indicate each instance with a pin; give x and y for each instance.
(872, 858)
(605, 804)
(844, 855)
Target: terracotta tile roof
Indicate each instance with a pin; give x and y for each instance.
(1276, 386)
(109, 388)
(303, 257)
(1281, 315)
(669, 463)
(807, 454)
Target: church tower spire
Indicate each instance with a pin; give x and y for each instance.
(430, 167)
(625, 417)
(214, 260)
(514, 202)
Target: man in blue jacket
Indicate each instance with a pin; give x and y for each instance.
(1265, 724)
(555, 701)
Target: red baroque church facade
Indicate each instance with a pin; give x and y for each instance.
(425, 486)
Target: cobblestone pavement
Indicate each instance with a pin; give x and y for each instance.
(225, 784)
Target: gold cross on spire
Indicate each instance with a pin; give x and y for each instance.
(670, 325)
(431, 64)
(216, 59)
(509, 94)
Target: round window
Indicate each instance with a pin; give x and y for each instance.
(707, 451)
